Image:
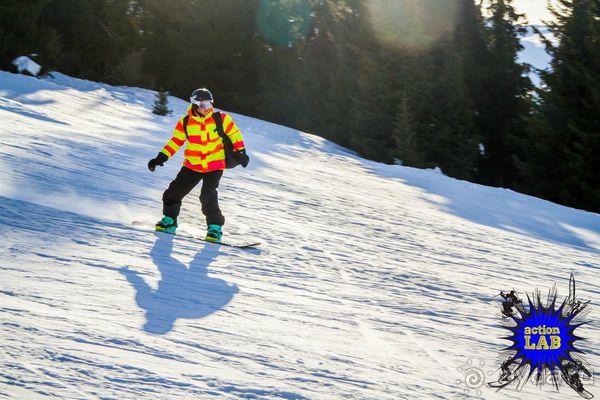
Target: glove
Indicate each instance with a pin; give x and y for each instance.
(160, 159)
(243, 157)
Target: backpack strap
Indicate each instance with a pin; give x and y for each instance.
(231, 159)
(218, 117)
(185, 124)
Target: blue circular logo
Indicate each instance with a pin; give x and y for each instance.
(543, 337)
(543, 340)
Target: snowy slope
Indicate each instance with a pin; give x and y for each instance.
(375, 282)
(534, 52)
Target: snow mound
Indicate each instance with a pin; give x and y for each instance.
(26, 64)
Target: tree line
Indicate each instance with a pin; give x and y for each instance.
(427, 83)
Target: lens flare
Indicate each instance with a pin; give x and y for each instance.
(409, 24)
(283, 23)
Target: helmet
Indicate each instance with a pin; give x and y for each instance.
(199, 95)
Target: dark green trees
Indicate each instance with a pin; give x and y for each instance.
(449, 137)
(21, 34)
(506, 104)
(94, 37)
(161, 103)
(567, 125)
(405, 136)
(430, 83)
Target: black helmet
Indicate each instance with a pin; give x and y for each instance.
(199, 95)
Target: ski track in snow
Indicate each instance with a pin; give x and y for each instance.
(374, 282)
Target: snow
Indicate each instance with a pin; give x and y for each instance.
(534, 52)
(24, 63)
(374, 282)
(536, 11)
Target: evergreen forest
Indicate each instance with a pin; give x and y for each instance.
(424, 83)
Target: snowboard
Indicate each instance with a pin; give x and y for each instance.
(583, 393)
(239, 245)
(500, 385)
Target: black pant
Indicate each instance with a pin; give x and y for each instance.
(183, 184)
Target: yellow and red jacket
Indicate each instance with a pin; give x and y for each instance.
(204, 151)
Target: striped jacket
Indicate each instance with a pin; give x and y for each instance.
(204, 151)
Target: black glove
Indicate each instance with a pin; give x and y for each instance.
(160, 159)
(243, 157)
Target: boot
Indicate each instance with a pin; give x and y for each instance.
(214, 233)
(166, 224)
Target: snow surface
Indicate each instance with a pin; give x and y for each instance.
(374, 282)
(534, 52)
(24, 63)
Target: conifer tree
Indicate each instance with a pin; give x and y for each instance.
(448, 137)
(161, 103)
(503, 112)
(23, 31)
(567, 127)
(469, 38)
(95, 37)
(163, 42)
(373, 107)
(349, 38)
(405, 135)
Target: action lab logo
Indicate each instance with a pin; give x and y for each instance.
(543, 340)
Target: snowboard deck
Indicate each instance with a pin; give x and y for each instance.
(583, 393)
(500, 385)
(239, 245)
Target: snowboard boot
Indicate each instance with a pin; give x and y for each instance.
(166, 224)
(214, 233)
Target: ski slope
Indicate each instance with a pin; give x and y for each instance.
(374, 281)
(534, 52)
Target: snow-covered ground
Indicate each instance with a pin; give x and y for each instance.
(534, 52)
(373, 282)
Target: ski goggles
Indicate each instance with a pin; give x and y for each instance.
(202, 104)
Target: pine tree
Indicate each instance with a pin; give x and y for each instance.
(503, 112)
(23, 31)
(373, 107)
(219, 50)
(407, 147)
(161, 103)
(95, 37)
(161, 23)
(447, 133)
(349, 39)
(471, 43)
(567, 127)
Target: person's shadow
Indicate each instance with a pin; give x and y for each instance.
(182, 292)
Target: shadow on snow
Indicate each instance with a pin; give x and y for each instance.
(184, 291)
(500, 208)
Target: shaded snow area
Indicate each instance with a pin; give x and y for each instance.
(373, 281)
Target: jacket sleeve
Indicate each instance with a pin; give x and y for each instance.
(176, 141)
(231, 130)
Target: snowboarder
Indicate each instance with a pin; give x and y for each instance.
(571, 370)
(510, 300)
(205, 160)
